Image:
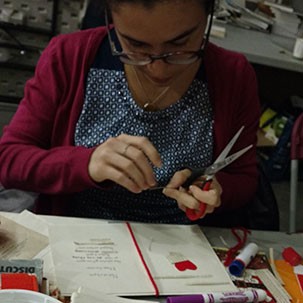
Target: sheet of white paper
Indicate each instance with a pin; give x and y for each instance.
(97, 256)
(298, 270)
(104, 257)
(33, 222)
(85, 295)
(40, 225)
(49, 267)
(190, 247)
(72, 220)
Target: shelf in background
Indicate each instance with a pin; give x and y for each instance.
(24, 28)
(13, 65)
(24, 47)
(9, 100)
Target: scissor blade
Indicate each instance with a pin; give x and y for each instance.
(218, 166)
(229, 146)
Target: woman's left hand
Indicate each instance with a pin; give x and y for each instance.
(192, 197)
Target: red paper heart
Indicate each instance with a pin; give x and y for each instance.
(184, 265)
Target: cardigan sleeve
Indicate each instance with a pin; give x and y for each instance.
(239, 181)
(35, 152)
(234, 91)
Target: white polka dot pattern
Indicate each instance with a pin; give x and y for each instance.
(182, 133)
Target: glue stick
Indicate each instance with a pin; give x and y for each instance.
(237, 267)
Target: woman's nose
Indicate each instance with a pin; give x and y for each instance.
(158, 68)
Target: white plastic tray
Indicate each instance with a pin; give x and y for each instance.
(24, 296)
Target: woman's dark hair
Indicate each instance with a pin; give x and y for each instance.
(94, 15)
(207, 4)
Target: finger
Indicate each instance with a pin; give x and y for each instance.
(182, 198)
(179, 178)
(128, 170)
(138, 158)
(142, 143)
(216, 185)
(109, 156)
(130, 160)
(123, 180)
(181, 205)
(209, 197)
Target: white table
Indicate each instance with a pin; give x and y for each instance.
(264, 239)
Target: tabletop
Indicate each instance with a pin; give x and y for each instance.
(265, 240)
(218, 237)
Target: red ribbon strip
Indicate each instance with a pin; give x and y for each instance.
(142, 260)
(231, 253)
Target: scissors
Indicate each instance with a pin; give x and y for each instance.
(209, 172)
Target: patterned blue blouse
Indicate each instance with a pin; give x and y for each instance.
(182, 134)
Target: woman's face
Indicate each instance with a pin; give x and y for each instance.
(169, 26)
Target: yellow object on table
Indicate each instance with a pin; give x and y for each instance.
(288, 276)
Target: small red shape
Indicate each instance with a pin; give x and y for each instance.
(184, 265)
(291, 256)
(300, 282)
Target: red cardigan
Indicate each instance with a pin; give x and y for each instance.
(37, 152)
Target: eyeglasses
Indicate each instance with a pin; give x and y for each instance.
(140, 58)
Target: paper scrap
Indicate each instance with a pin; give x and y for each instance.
(287, 274)
(19, 242)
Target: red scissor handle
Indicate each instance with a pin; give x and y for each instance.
(193, 214)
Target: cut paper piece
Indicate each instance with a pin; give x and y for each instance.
(300, 282)
(181, 262)
(19, 242)
(298, 270)
(185, 265)
(287, 274)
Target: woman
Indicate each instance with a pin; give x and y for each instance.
(113, 112)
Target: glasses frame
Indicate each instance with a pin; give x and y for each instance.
(165, 57)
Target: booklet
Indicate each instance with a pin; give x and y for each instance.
(136, 259)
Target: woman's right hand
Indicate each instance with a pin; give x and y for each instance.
(126, 160)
